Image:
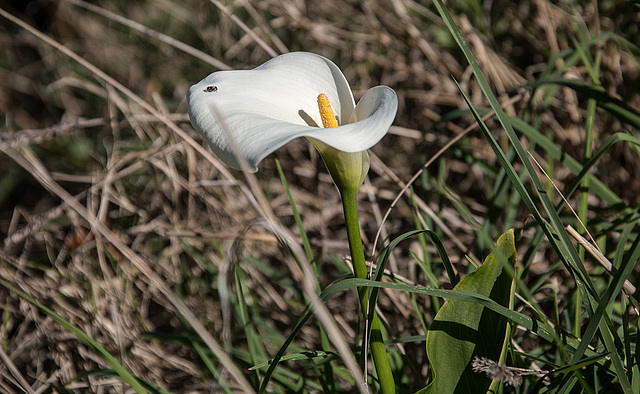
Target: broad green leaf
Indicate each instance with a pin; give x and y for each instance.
(462, 330)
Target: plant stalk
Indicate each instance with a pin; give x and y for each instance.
(376, 343)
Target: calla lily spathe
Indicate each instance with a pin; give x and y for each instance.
(264, 108)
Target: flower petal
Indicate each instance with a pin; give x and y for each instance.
(264, 108)
(255, 112)
(370, 121)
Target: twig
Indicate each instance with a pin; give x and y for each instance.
(628, 288)
(6, 360)
(153, 34)
(246, 29)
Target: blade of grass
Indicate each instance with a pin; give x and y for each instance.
(117, 367)
(618, 137)
(572, 164)
(601, 319)
(305, 355)
(616, 107)
(296, 215)
(312, 261)
(256, 351)
(543, 330)
(554, 230)
(623, 273)
(152, 34)
(594, 70)
(556, 234)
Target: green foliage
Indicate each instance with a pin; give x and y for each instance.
(463, 330)
(540, 131)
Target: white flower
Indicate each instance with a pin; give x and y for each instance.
(266, 107)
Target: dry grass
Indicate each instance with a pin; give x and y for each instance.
(109, 204)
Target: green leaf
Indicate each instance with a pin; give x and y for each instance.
(462, 330)
(618, 108)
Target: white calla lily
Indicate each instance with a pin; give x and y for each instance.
(264, 108)
(252, 113)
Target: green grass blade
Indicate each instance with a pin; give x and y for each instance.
(601, 319)
(572, 164)
(122, 372)
(623, 273)
(296, 215)
(542, 329)
(580, 364)
(206, 357)
(556, 233)
(618, 137)
(616, 107)
(435, 240)
(149, 387)
(309, 354)
(254, 343)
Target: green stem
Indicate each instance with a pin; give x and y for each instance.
(378, 350)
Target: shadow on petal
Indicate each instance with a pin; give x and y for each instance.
(307, 119)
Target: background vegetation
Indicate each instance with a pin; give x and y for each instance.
(131, 256)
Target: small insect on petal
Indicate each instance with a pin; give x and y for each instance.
(326, 113)
(211, 89)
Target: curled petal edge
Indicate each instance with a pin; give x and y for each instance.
(369, 123)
